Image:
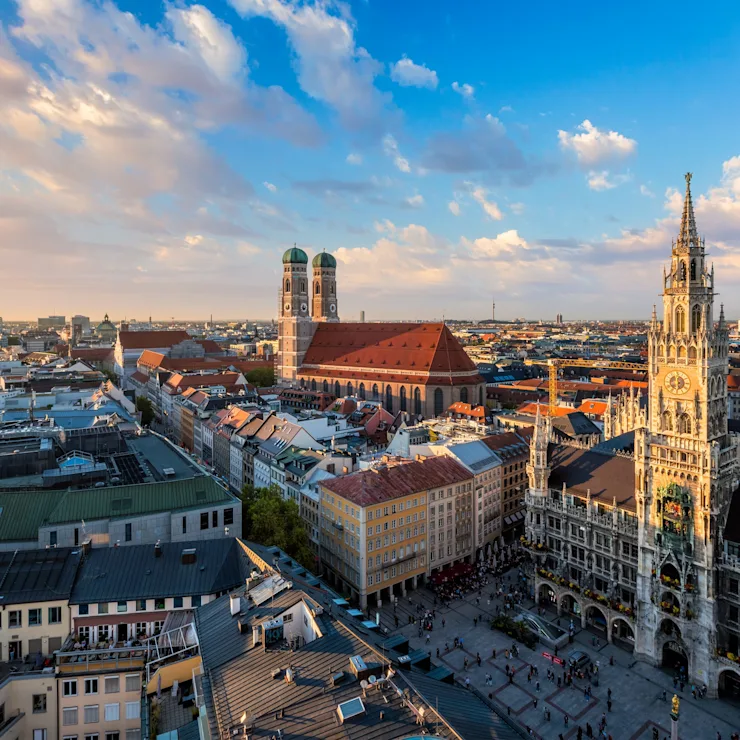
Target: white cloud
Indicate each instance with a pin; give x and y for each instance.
(330, 66)
(390, 148)
(454, 207)
(415, 201)
(467, 91)
(644, 190)
(593, 146)
(491, 209)
(353, 158)
(407, 74)
(505, 109)
(272, 188)
(517, 208)
(604, 181)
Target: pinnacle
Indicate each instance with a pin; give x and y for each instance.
(687, 235)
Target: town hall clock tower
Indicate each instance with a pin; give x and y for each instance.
(685, 465)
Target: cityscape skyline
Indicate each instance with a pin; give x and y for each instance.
(159, 163)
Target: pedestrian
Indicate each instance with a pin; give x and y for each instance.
(506, 668)
(611, 660)
(438, 652)
(537, 686)
(589, 730)
(428, 638)
(579, 734)
(608, 693)
(664, 694)
(535, 702)
(508, 711)
(493, 654)
(565, 720)
(609, 705)
(443, 622)
(467, 682)
(478, 659)
(681, 684)
(475, 621)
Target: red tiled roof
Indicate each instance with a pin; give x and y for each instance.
(140, 377)
(530, 409)
(211, 347)
(499, 443)
(92, 354)
(151, 339)
(733, 382)
(593, 407)
(382, 484)
(466, 409)
(405, 349)
(200, 381)
(151, 359)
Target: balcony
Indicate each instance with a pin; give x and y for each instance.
(10, 722)
(731, 562)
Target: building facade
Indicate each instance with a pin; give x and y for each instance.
(648, 566)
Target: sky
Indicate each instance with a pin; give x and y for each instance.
(158, 158)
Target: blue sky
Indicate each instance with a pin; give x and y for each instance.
(158, 158)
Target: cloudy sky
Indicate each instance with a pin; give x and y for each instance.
(157, 158)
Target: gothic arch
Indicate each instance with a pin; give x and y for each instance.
(546, 593)
(318, 288)
(684, 424)
(569, 602)
(417, 401)
(696, 318)
(621, 628)
(374, 392)
(325, 386)
(666, 421)
(438, 402)
(682, 352)
(313, 384)
(463, 395)
(349, 388)
(389, 398)
(693, 269)
(287, 285)
(361, 391)
(402, 398)
(588, 613)
(723, 689)
(682, 273)
(680, 319)
(337, 389)
(692, 352)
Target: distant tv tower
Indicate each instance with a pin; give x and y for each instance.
(493, 310)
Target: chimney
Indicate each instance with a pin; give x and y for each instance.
(234, 604)
(157, 550)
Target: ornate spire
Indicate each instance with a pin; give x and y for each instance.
(687, 236)
(721, 315)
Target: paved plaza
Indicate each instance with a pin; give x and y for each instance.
(636, 688)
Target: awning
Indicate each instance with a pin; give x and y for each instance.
(341, 602)
(355, 613)
(369, 625)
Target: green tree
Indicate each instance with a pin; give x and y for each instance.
(144, 405)
(269, 519)
(262, 377)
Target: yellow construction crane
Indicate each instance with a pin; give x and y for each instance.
(554, 365)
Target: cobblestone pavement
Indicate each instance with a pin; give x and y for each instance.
(637, 688)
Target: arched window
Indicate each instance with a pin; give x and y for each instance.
(318, 288)
(692, 353)
(693, 269)
(680, 319)
(682, 352)
(667, 421)
(417, 401)
(402, 398)
(389, 398)
(696, 318)
(682, 273)
(313, 385)
(349, 389)
(287, 286)
(684, 424)
(337, 389)
(463, 395)
(325, 386)
(438, 402)
(374, 392)
(361, 391)
(303, 286)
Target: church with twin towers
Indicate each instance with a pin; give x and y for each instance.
(639, 538)
(417, 368)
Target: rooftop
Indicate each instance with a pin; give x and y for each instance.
(37, 575)
(385, 483)
(151, 339)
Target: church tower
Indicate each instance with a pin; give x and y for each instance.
(324, 289)
(538, 473)
(684, 464)
(295, 327)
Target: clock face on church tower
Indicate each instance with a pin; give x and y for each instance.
(677, 382)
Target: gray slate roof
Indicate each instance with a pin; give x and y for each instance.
(37, 575)
(130, 573)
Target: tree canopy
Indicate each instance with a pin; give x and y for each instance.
(262, 377)
(144, 405)
(270, 519)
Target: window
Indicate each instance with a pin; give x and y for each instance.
(69, 716)
(39, 703)
(228, 516)
(204, 520)
(184, 525)
(195, 601)
(103, 632)
(127, 535)
(55, 614)
(39, 735)
(102, 608)
(733, 586)
(114, 735)
(14, 619)
(112, 684)
(214, 518)
(132, 709)
(133, 733)
(158, 627)
(92, 714)
(159, 604)
(53, 538)
(92, 736)
(140, 605)
(91, 686)
(83, 609)
(69, 687)
(122, 606)
(177, 602)
(133, 682)
(112, 712)
(34, 617)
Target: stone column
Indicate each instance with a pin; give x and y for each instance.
(674, 717)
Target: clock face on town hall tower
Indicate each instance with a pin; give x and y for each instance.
(677, 382)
